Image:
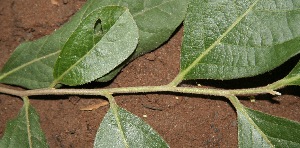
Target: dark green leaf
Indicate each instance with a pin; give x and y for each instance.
(24, 131)
(32, 63)
(84, 58)
(134, 132)
(257, 129)
(234, 39)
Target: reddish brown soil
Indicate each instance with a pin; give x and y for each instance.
(183, 120)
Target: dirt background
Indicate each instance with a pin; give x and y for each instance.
(182, 120)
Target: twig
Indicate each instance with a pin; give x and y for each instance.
(142, 89)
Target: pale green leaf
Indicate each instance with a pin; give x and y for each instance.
(24, 131)
(257, 129)
(85, 57)
(226, 39)
(133, 132)
(32, 63)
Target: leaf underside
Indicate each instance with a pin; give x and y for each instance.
(257, 129)
(24, 131)
(135, 131)
(234, 39)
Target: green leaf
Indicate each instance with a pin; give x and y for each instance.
(84, 58)
(121, 129)
(156, 20)
(293, 78)
(24, 131)
(257, 129)
(234, 39)
(31, 65)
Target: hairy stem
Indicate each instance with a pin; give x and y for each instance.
(141, 89)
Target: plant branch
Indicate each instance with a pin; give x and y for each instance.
(141, 89)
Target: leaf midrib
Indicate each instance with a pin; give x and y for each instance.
(28, 125)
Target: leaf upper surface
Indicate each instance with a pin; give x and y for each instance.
(257, 129)
(234, 39)
(24, 131)
(134, 133)
(84, 58)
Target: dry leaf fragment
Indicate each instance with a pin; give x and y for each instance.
(95, 106)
